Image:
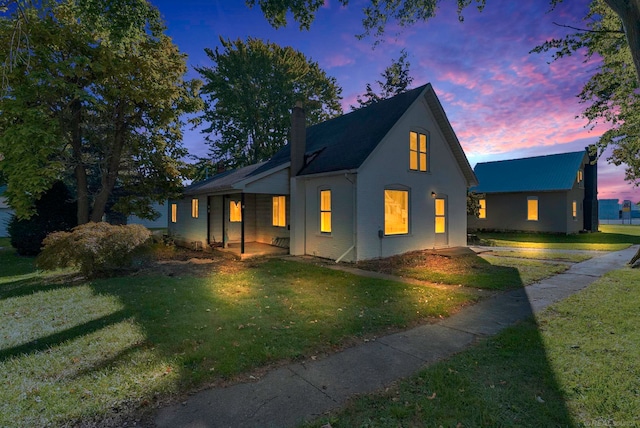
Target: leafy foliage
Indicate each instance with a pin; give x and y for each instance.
(249, 93)
(395, 80)
(95, 248)
(54, 212)
(612, 94)
(97, 99)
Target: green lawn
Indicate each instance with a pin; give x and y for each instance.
(529, 253)
(610, 238)
(471, 270)
(72, 350)
(575, 365)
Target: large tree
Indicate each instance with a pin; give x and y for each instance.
(95, 95)
(378, 13)
(395, 80)
(611, 95)
(249, 92)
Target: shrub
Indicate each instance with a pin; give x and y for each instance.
(94, 248)
(54, 212)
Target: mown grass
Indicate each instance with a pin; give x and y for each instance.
(610, 238)
(576, 365)
(564, 256)
(76, 352)
(470, 270)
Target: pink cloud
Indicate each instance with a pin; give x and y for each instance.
(339, 60)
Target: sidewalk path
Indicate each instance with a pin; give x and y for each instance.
(300, 392)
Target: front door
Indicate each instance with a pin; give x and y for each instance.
(441, 225)
(233, 218)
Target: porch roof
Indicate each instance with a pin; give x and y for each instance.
(223, 182)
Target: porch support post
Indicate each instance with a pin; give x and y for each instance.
(242, 223)
(224, 232)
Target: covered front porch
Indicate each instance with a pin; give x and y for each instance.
(253, 249)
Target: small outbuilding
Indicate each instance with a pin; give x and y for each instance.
(378, 181)
(553, 193)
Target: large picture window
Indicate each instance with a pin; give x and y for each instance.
(325, 211)
(235, 211)
(532, 208)
(396, 212)
(418, 155)
(279, 211)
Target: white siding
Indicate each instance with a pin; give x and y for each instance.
(388, 166)
(276, 183)
(341, 238)
(188, 229)
(265, 230)
(160, 222)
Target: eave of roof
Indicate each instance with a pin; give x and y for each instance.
(223, 182)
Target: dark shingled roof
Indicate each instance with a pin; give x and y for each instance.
(344, 142)
(534, 174)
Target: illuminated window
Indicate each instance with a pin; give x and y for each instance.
(482, 212)
(325, 211)
(396, 212)
(418, 160)
(194, 208)
(279, 211)
(574, 210)
(580, 178)
(532, 208)
(441, 222)
(174, 213)
(235, 211)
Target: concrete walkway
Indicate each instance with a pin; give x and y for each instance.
(288, 396)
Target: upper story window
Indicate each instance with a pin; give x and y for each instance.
(235, 211)
(279, 211)
(174, 213)
(418, 155)
(532, 208)
(325, 211)
(396, 212)
(194, 207)
(580, 178)
(482, 211)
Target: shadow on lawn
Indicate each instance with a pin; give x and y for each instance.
(220, 326)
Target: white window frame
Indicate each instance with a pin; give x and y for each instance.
(407, 191)
(194, 207)
(325, 210)
(421, 156)
(537, 205)
(279, 211)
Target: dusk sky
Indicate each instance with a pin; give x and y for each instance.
(502, 101)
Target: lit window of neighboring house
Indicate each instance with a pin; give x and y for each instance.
(418, 146)
(174, 213)
(482, 211)
(532, 208)
(396, 212)
(580, 178)
(441, 222)
(325, 211)
(279, 211)
(235, 211)
(194, 208)
(574, 210)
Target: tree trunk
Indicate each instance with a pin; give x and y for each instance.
(80, 172)
(110, 175)
(629, 13)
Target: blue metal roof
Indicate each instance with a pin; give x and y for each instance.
(534, 174)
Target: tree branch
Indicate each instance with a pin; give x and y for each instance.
(586, 30)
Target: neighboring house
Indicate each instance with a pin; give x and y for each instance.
(5, 213)
(553, 193)
(378, 181)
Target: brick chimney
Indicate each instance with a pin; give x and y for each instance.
(298, 138)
